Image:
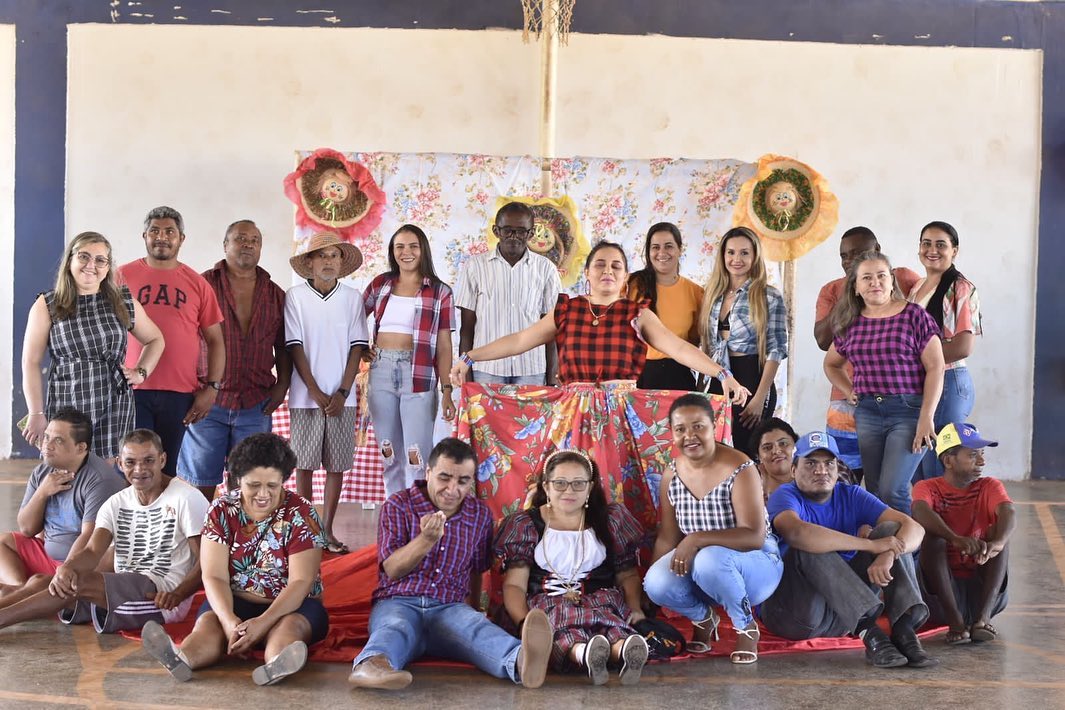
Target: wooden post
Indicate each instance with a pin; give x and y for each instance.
(548, 85)
(789, 303)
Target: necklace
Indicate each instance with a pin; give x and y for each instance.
(597, 316)
(569, 588)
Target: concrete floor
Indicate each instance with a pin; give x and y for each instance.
(43, 664)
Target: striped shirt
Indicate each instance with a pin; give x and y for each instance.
(886, 352)
(433, 312)
(714, 511)
(249, 372)
(507, 299)
(444, 573)
(743, 338)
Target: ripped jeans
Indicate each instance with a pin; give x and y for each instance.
(403, 420)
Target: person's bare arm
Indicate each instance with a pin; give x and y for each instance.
(515, 601)
(836, 372)
(959, 347)
(467, 329)
(444, 360)
(628, 581)
(205, 397)
(303, 569)
(749, 532)
(147, 333)
(910, 531)
(189, 584)
(810, 537)
(823, 333)
(932, 360)
(303, 369)
(539, 333)
(34, 345)
(669, 534)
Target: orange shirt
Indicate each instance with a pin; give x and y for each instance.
(969, 512)
(678, 308)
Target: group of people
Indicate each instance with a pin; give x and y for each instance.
(773, 528)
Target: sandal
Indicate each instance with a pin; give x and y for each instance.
(983, 632)
(957, 637)
(704, 631)
(336, 547)
(746, 656)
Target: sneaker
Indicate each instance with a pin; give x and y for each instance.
(633, 657)
(595, 659)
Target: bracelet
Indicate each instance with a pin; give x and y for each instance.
(33, 414)
(724, 374)
(465, 357)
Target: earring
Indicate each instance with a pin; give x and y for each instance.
(549, 503)
(586, 502)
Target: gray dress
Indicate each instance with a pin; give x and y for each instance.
(87, 352)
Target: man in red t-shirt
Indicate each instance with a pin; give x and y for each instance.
(968, 521)
(184, 306)
(840, 419)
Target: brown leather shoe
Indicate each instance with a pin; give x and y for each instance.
(377, 672)
(536, 638)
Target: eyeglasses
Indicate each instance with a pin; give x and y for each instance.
(512, 232)
(84, 257)
(561, 484)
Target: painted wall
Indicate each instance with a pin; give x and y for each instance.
(207, 118)
(7, 224)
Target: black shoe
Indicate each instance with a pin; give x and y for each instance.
(910, 646)
(879, 650)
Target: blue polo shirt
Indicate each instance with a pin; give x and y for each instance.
(849, 508)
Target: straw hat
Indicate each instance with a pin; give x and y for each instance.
(350, 256)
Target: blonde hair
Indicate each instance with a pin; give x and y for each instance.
(65, 304)
(719, 283)
(850, 304)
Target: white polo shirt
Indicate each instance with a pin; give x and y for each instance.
(327, 326)
(507, 299)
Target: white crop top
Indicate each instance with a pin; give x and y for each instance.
(398, 316)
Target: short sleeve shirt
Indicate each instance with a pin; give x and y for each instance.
(969, 512)
(886, 352)
(68, 510)
(598, 343)
(259, 551)
(849, 508)
(961, 311)
(677, 306)
(181, 303)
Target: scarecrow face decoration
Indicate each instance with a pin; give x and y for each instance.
(334, 193)
(336, 186)
(781, 200)
(543, 239)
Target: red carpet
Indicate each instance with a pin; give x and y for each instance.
(350, 580)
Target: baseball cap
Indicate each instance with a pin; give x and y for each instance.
(815, 441)
(960, 434)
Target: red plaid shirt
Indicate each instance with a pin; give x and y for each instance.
(433, 312)
(612, 350)
(443, 574)
(249, 372)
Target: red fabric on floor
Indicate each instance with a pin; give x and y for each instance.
(349, 583)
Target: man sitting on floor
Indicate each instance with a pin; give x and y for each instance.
(434, 542)
(968, 521)
(833, 574)
(58, 512)
(155, 525)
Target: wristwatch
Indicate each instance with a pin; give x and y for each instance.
(214, 384)
(344, 391)
(143, 373)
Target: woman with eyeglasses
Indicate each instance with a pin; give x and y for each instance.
(82, 323)
(574, 556)
(714, 544)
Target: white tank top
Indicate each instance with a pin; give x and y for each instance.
(398, 316)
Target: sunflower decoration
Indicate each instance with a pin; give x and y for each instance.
(335, 193)
(557, 236)
(789, 205)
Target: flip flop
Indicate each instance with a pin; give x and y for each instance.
(337, 547)
(983, 632)
(957, 637)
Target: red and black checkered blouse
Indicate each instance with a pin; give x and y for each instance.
(612, 350)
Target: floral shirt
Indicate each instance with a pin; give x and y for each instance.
(259, 551)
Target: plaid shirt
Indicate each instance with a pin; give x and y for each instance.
(886, 352)
(612, 350)
(714, 511)
(444, 573)
(743, 338)
(433, 311)
(249, 374)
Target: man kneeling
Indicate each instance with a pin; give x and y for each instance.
(968, 521)
(155, 525)
(434, 542)
(833, 575)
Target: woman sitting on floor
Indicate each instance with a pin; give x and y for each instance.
(774, 440)
(714, 544)
(261, 550)
(574, 556)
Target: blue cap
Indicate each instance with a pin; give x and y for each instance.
(960, 434)
(815, 441)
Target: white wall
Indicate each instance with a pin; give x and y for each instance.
(7, 226)
(207, 119)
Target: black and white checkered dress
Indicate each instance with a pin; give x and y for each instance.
(712, 512)
(87, 352)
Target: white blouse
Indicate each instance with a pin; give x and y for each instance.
(568, 554)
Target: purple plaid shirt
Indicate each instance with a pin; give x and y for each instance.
(433, 311)
(886, 352)
(444, 574)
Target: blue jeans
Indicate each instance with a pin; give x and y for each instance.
(164, 412)
(720, 575)
(405, 628)
(208, 442)
(485, 378)
(887, 425)
(403, 420)
(955, 405)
